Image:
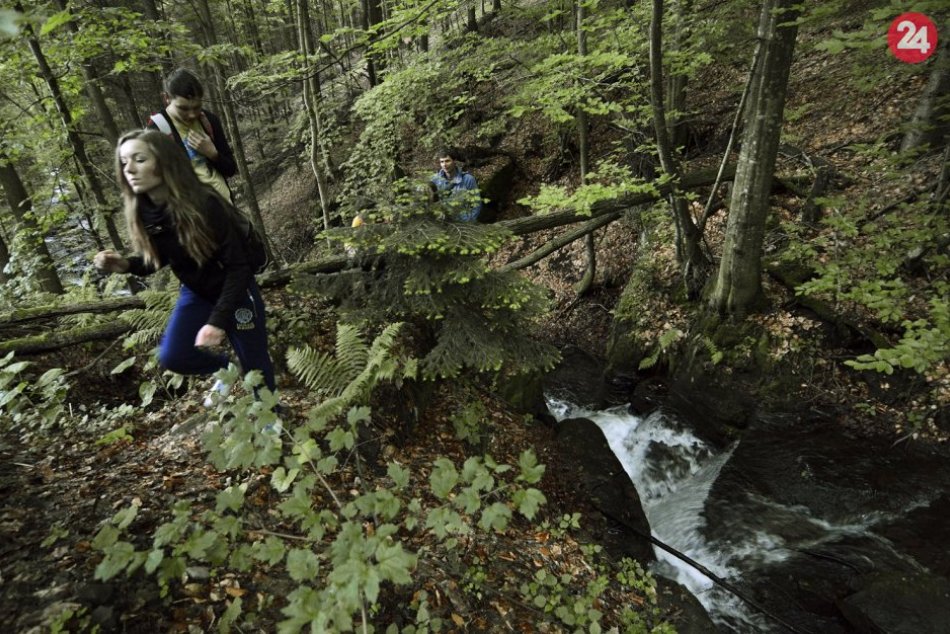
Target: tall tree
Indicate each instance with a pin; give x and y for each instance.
(931, 120)
(311, 97)
(693, 263)
(738, 284)
(22, 207)
(92, 86)
(230, 118)
(372, 16)
(72, 134)
(587, 280)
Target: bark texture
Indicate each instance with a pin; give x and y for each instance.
(739, 282)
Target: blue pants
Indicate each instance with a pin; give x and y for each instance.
(248, 337)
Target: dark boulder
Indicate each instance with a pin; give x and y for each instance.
(601, 483)
(894, 603)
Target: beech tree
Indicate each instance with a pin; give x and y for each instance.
(738, 285)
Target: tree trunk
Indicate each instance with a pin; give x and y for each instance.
(693, 263)
(94, 90)
(311, 97)
(230, 121)
(739, 282)
(22, 207)
(584, 285)
(4, 259)
(372, 15)
(56, 339)
(471, 23)
(677, 82)
(74, 138)
(929, 125)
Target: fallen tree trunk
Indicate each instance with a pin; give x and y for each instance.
(26, 315)
(530, 224)
(607, 211)
(55, 340)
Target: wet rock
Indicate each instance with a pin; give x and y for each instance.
(899, 604)
(600, 480)
(684, 611)
(578, 378)
(923, 533)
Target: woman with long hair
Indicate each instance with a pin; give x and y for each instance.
(174, 219)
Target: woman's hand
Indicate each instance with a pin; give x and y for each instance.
(209, 336)
(110, 261)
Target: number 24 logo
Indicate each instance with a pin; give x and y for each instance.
(914, 38)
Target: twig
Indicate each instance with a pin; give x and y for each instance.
(93, 362)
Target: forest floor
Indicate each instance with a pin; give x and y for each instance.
(56, 496)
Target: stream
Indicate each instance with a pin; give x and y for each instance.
(796, 515)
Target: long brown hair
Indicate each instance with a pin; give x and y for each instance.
(185, 195)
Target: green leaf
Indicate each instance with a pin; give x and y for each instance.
(399, 475)
(230, 616)
(495, 517)
(125, 365)
(154, 560)
(281, 479)
(118, 557)
(232, 498)
(147, 392)
(443, 478)
(55, 21)
(531, 471)
(123, 518)
(270, 551)
(529, 501)
(395, 563)
(106, 537)
(302, 565)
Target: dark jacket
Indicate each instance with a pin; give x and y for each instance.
(223, 280)
(225, 163)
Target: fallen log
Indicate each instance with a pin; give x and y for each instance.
(25, 315)
(55, 340)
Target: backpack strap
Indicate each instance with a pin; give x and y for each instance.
(206, 124)
(161, 123)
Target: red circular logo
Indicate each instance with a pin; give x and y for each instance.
(912, 37)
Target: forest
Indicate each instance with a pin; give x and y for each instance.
(687, 371)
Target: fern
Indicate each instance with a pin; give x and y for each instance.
(148, 323)
(354, 372)
(317, 370)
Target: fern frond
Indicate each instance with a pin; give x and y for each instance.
(319, 371)
(380, 364)
(351, 349)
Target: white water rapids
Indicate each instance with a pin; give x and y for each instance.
(673, 472)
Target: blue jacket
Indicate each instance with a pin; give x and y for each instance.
(459, 186)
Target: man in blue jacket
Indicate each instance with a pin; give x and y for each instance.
(456, 188)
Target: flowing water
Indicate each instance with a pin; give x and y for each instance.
(751, 535)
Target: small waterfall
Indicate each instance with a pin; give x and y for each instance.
(751, 539)
(673, 472)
